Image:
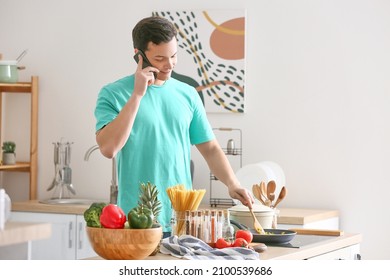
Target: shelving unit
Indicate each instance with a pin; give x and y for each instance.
(31, 166)
(235, 152)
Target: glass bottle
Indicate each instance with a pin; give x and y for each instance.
(219, 224)
(199, 233)
(187, 222)
(227, 228)
(193, 223)
(213, 227)
(206, 226)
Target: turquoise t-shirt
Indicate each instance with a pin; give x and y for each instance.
(170, 119)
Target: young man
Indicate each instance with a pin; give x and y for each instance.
(149, 121)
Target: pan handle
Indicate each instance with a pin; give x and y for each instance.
(238, 225)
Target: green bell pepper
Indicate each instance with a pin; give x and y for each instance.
(140, 217)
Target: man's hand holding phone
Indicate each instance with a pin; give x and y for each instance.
(141, 58)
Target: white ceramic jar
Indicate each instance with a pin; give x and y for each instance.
(241, 214)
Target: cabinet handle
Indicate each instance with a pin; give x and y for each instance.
(70, 238)
(80, 235)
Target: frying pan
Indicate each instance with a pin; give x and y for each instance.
(272, 236)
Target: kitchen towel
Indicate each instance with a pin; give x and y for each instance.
(189, 247)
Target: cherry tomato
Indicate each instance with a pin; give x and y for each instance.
(222, 243)
(240, 242)
(246, 234)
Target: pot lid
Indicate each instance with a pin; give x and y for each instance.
(8, 62)
(256, 208)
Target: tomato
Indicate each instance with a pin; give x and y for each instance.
(112, 216)
(222, 243)
(240, 242)
(246, 234)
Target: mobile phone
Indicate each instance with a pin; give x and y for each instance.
(145, 61)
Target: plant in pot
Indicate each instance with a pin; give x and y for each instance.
(9, 155)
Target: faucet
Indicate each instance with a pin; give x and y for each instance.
(114, 180)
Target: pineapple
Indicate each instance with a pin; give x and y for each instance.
(149, 199)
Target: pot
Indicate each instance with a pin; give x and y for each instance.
(9, 71)
(9, 158)
(241, 214)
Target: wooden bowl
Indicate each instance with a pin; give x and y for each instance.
(124, 244)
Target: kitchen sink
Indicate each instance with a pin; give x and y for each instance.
(66, 201)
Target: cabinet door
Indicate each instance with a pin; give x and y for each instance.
(83, 247)
(61, 244)
(347, 253)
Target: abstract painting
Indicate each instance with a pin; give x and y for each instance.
(211, 56)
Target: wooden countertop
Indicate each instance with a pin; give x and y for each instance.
(301, 216)
(296, 216)
(36, 206)
(18, 232)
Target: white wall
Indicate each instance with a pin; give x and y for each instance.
(317, 84)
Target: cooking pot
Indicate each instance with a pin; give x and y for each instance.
(241, 214)
(9, 71)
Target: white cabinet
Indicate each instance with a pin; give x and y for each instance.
(346, 253)
(69, 240)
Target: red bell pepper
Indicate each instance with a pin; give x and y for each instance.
(113, 217)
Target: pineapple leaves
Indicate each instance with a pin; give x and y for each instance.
(148, 198)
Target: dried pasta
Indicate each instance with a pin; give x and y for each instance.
(183, 199)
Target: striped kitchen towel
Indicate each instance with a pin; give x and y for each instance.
(189, 247)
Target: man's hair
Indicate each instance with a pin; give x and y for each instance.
(152, 29)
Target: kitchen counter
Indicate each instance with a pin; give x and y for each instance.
(289, 218)
(18, 232)
(346, 246)
(36, 206)
(326, 246)
(17, 237)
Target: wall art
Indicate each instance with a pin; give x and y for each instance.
(211, 56)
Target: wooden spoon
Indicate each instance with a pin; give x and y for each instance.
(256, 223)
(271, 199)
(282, 195)
(257, 193)
(263, 189)
(271, 187)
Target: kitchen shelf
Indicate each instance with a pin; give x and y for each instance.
(31, 166)
(19, 166)
(230, 153)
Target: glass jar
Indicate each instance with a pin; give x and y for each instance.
(275, 218)
(180, 222)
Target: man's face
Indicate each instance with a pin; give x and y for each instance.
(163, 57)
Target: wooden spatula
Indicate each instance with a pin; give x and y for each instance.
(256, 223)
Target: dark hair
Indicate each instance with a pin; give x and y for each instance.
(152, 29)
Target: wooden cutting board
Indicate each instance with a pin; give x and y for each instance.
(318, 231)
